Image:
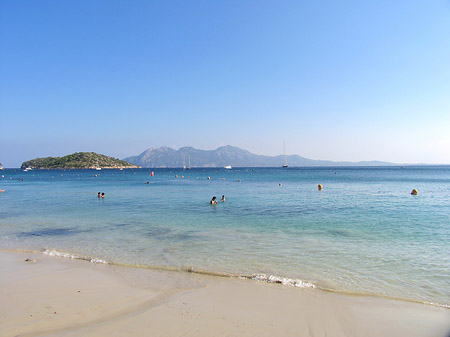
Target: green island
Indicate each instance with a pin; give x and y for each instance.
(78, 160)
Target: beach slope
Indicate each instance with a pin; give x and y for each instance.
(61, 297)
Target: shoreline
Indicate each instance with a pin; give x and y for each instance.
(264, 278)
(68, 297)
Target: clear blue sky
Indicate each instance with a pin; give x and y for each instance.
(337, 80)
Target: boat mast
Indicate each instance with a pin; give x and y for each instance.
(285, 156)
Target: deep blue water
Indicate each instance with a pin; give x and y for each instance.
(364, 232)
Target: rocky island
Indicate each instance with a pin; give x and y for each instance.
(78, 160)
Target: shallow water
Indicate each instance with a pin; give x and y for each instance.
(362, 233)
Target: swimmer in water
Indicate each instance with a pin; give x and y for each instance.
(223, 198)
(103, 195)
(99, 195)
(213, 201)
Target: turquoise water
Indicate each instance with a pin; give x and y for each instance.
(363, 233)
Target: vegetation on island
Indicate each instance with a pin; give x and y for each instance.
(78, 160)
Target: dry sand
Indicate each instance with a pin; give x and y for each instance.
(62, 297)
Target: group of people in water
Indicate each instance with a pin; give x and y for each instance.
(214, 200)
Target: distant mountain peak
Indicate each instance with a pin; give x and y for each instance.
(186, 148)
(229, 147)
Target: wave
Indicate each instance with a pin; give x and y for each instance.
(257, 277)
(445, 306)
(282, 280)
(52, 252)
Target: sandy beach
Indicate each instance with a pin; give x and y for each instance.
(55, 296)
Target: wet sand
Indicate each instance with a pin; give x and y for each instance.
(62, 297)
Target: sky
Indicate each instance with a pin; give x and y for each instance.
(336, 80)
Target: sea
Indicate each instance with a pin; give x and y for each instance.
(363, 233)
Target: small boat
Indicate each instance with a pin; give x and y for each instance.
(27, 169)
(285, 156)
(228, 167)
(188, 167)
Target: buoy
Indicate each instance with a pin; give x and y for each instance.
(414, 192)
(152, 174)
(319, 187)
(2, 190)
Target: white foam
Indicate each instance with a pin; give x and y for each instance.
(282, 280)
(52, 252)
(445, 306)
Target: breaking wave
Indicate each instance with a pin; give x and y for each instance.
(282, 280)
(52, 252)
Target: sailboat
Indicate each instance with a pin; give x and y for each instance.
(189, 163)
(285, 156)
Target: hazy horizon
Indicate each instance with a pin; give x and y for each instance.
(353, 81)
(293, 154)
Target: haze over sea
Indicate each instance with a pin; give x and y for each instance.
(363, 233)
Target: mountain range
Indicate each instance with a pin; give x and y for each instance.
(228, 155)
